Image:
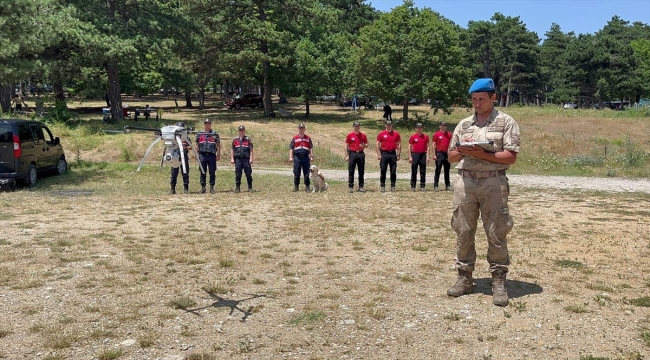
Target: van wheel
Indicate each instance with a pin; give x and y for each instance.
(32, 174)
(61, 166)
(238, 106)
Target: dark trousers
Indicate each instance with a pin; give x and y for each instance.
(301, 163)
(419, 160)
(175, 171)
(388, 116)
(245, 165)
(209, 165)
(441, 161)
(357, 160)
(388, 158)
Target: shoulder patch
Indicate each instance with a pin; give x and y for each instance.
(466, 125)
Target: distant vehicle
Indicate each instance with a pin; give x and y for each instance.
(28, 149)
(246, 100)
(326, 98)
(570, 106)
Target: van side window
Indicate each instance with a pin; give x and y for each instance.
(38, 132)
(24, 133)
(48, 135)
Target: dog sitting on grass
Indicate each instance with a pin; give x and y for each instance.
(317, 179)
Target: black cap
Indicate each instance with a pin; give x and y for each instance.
(207, 121)
(356, 123)
(388, 122)
(444, 123)
(301, 126)
(418, 125)
(241, 127)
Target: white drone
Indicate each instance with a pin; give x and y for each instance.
(173, 136)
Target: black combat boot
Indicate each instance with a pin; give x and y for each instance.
(237, 189)
(295, 188)
(211, 189)
(172, 191)
(186, 189)
(202, 189)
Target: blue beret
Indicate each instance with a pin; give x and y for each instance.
(482, 85)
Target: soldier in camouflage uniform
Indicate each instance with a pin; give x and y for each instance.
(481, 187)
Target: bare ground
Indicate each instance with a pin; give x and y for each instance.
(273, 275)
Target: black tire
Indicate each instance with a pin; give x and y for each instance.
(238, 106)
(32, 175)
(61, 166)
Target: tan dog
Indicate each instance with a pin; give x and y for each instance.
(317, 180)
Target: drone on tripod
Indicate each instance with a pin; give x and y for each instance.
(175, 138)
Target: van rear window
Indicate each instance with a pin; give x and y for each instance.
(6, 135)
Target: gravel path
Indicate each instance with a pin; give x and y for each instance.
(555, 182)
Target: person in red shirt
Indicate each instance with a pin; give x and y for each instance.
(355, 143)
(389, 148)
(440, 143)
(418, 150)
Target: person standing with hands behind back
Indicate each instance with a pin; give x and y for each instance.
(440, 142)
(301, 153)
(209, 146)
(481, 187)
(419, 156)
(355, 143)
(389, 148)
(242, 156)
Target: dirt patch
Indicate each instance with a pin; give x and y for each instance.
(316, 276)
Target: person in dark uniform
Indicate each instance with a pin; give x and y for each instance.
(440, 143)
(301, 153)
(176, 170)
(242, 156)
(355, 143)
(209, 147)
(388, 112)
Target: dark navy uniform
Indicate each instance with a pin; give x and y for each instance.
(208, 146)
(301, 151)
(176, 170)
(242, 150)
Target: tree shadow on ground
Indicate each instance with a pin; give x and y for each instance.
(516, 288)
(234, 305)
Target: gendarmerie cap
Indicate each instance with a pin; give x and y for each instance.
(388, 122)
(241, 127)
(418, 125)
(356, 123)
(482, 85)
(444, 123)
(207, 121)
(301, 126)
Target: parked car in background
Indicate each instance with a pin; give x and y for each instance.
(570, 106)
(246, 100)
(28, 149)
(326, 97)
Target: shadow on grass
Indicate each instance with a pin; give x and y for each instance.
(516, 288)
(234, 305)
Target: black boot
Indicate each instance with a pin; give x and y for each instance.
(295, 188)
(186, 189)
(202, 189)
(237, 188)
(172, 191)
(211, 189)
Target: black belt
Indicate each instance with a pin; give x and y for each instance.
(421, 153)
(357, 152)
(388, 152)
(206, 153)
(480, 174)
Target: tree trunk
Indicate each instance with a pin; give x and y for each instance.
(6, 92)
(112, 70)
(508, 92)
(266, 96)
(405, 110)
(58, 91)
(114, 95)
(202, 98)
(307, 105)
(188, 99)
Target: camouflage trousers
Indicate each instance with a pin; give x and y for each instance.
(489, 197)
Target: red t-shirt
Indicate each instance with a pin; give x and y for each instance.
(419, 142)
(388, 140)
(441, 140)
(353, 140)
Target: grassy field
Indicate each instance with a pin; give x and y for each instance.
(100, 263)
(554, 141)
